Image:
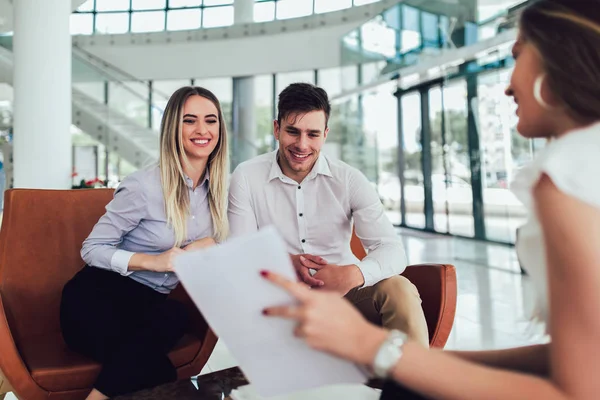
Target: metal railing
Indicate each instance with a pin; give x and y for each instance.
(123, 79)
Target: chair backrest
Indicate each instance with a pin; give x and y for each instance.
(437, 286)
(40, 242)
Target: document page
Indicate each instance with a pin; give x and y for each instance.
(225, 284)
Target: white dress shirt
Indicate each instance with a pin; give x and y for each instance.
(316, 216)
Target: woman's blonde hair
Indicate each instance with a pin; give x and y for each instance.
(172, 157)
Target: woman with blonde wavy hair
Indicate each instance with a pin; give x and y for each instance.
(115, 310)
(556, 84)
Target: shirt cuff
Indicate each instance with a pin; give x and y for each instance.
(120, 262)
(370, 270)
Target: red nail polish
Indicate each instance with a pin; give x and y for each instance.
(264, 273)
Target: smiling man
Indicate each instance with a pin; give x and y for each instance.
(314, 202)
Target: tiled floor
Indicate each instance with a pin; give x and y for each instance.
(494, 299)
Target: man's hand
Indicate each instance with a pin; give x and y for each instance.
(340, 278)
(200, 244)
(303, 263)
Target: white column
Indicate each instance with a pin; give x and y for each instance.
(244, 114)
(42, 94)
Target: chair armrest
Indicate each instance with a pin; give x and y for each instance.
(437, 285)
(200, 329)
(12, 366)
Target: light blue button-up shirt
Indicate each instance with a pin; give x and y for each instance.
(135, 222)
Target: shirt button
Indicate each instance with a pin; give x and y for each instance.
(166, 275)
(300, 214)
(303, 240)
(299, 187)
(193, 217)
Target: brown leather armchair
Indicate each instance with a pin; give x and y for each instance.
(41, 236)
(437, 286)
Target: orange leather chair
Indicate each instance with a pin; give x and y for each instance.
(437, 286)
(41, 236)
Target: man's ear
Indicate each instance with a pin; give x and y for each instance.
(325, 133)
(276, 129)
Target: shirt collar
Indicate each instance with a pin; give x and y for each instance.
(190, 183)
(321, 167)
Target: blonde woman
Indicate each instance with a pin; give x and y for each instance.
(115, 310)
(556, 84)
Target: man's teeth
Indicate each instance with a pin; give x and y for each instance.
(200, 141)
(300, 156)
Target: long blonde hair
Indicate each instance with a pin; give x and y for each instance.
(172, 153)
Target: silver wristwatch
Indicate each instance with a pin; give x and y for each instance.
(389, 353)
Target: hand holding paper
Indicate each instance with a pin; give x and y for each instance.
(225, 284)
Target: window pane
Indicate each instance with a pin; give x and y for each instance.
(82, 24)
(264, 12)
(285, 79)
(161, 91)
(184, 3)
(184, 19)
(112, 5)
(414, 189)
(87, 6)
(293, 8)
(112, 23)
(380, 110)
(263, 111)
(218, 16)
(150, 21)
(93, 89)
(217, 2)
(429, 26)
(362, 2)
(378, 38)
(322, 6)
(130, 99)
(148, 4)
(410, 17)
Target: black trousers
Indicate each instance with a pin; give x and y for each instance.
(394, 391)
(126, 326)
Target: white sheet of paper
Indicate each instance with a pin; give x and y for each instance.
(345, 392)
(225, 284)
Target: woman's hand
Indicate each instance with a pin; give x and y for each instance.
(200, 244)
(157, 263)
(327, 322)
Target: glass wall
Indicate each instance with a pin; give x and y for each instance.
(122, 16)
(504, 152)
(457, 178)
(414, 189)
(284, 79)
(264, 112)
(130, 99)
(380, 116)
(161, 91)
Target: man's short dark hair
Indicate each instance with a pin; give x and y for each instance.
(302, 98)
